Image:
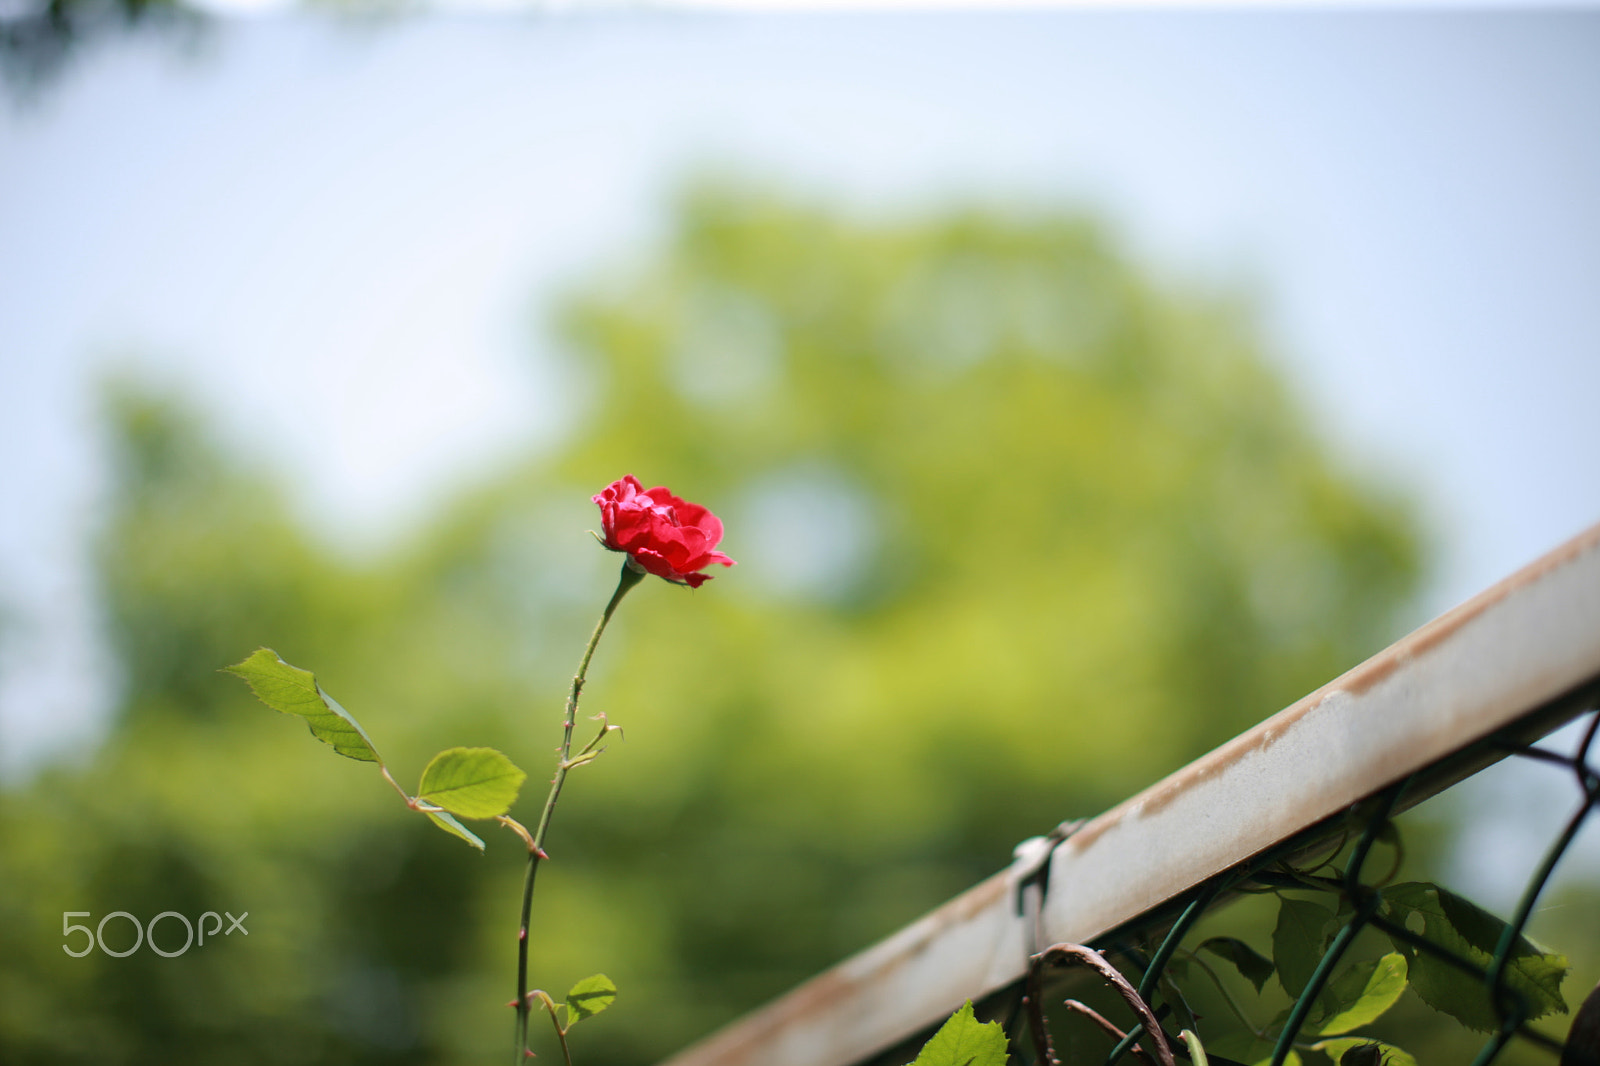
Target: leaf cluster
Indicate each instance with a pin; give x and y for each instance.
(1443, 925)
(473, 783)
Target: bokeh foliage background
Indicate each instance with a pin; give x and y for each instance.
(1020, 528)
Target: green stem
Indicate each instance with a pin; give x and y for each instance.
(555, 1023)
(630, 577)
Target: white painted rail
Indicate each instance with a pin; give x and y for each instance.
(1518, 645)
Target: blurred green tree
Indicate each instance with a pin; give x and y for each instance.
(1019, 530)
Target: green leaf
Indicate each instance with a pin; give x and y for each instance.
(471, 782)
(1298, 942)
(1384, 1054)
(589, 997)
(1364, 992)
(443, 820)
(1256, 967)
(1472, 933)
(964, 1041)
(295, 691)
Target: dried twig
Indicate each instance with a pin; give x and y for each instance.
(1104, 1023)
(1065, 954)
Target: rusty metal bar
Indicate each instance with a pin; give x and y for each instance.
(1484, 665)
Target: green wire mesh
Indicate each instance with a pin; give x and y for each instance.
(1360, 889)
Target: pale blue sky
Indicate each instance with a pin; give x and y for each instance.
(337, 238)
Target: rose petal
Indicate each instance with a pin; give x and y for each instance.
(663, 533)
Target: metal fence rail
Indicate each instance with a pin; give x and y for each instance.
(1470, 687)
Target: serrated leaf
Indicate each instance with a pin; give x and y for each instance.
(1298, 942)
(1364, 992)
(295, 691)
(1254, 966)
(471, 782)
(965, 1041)
(1339, 1050)
(1463, 928)
(444, 821)
(589, 997)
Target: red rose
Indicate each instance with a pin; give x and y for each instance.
(662, 534)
